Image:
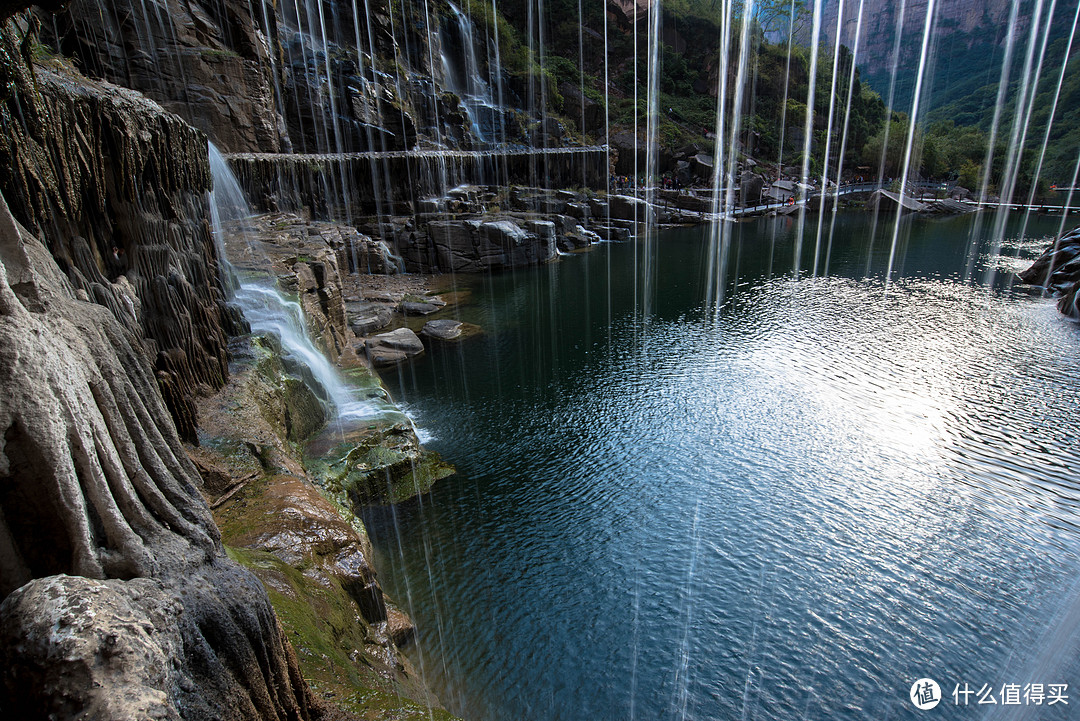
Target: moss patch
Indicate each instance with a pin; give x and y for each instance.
(333, 644)
(382, 465)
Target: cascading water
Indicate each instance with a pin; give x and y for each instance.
(266, 309)
(464, 78)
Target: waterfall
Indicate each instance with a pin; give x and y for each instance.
(266, 309)
(467, 82)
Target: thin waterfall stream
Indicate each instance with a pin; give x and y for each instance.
(268, 311)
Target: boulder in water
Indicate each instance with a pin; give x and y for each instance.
(626, 207)
(365, 318)
(1059, 264)
(391, 348)
(420, 307)
(442, 329)
(1058, 270)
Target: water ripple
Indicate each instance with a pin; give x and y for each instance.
(791, 508)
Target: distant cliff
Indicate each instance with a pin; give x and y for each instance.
(966, 52)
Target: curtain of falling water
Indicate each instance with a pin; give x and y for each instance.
(1053, 110)
(909, 144)
(651, 181)
(1027, 87)
(844, 133)
(828, 136)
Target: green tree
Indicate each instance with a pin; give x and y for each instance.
(885, 149)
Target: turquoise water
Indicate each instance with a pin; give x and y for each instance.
(793, 507)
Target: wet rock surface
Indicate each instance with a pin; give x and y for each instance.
(1058, 270)
(135, 544)
(280, 519)
(391, 348)
(239, 73)
(312, 261)
(477, 234)
(412, 307)
(383, 465)
(208, 62)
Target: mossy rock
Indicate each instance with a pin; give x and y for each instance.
(304, 412)
(386, 465)
(341, 657)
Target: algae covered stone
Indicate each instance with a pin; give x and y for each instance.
(385, 465)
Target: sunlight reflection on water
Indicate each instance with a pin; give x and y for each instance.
(793, 508)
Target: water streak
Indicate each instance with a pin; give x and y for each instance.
(267, 310)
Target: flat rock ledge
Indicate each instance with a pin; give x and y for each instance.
(443, 330)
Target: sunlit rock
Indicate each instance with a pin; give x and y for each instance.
(394, 347)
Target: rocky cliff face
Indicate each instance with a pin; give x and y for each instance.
(880, 17)
(209, 62)
(968, 39)
(278, 77)
(117, 187)
(119, 601)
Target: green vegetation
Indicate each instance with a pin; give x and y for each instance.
(385, 465)
(950, 140)
(332, 642)
(573, 54)
(958, 112)
(219, 53)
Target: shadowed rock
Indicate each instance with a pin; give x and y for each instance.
(470, 246)
(94, 483)
(118, 187)
(1058, 270)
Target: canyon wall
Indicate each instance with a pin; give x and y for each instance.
(117, 189)
(119, 600)
(119, 345)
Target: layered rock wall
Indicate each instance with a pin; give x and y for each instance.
(117, 187)
(274, 77)
(209, 62)
(120, 602)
